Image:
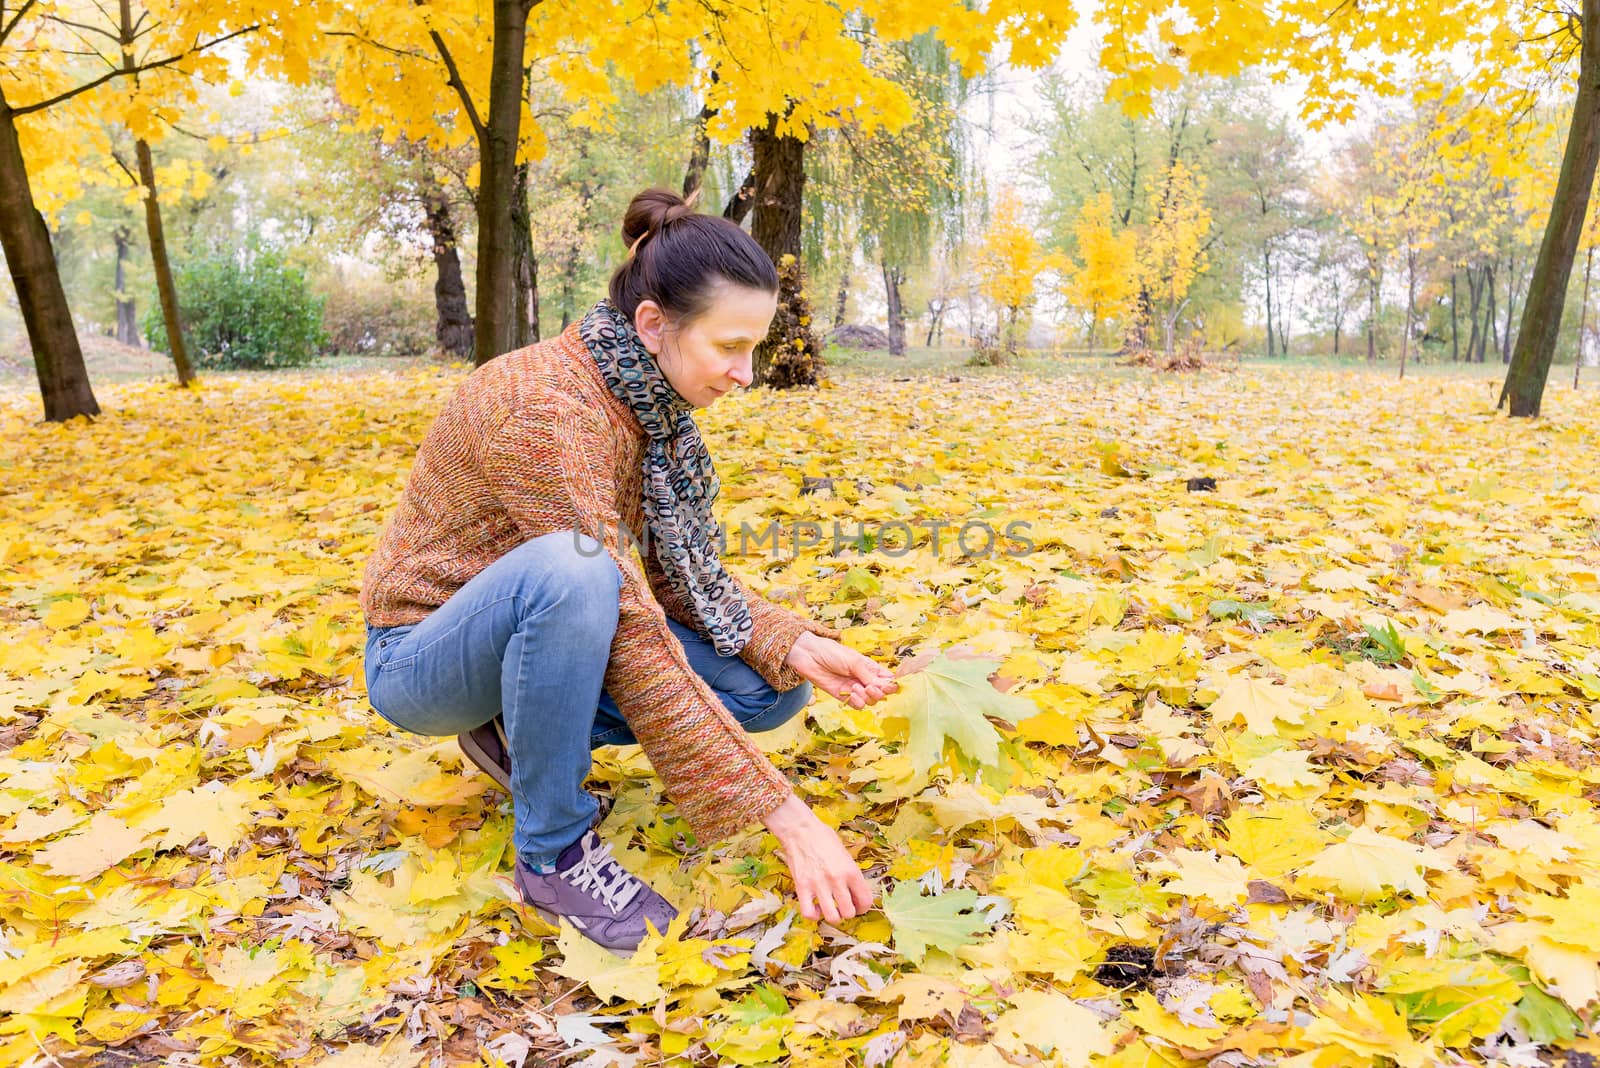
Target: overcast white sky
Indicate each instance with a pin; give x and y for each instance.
(1004, 147)
(1016, 96)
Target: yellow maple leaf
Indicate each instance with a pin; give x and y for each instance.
(1282, 768)
(923, 996)
(635, 978)
(67, 612)
(1480, 617)
(1055, 1025)
(1365, 863)
(1201, 873)
(213, 809)
(1258, 704)
(1368, 1027)
(104, 842)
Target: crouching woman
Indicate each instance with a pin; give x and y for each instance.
(503, 604)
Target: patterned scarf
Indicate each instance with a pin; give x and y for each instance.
(680, 482)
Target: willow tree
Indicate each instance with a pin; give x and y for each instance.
(889, 195)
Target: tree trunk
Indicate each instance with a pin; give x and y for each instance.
(936, 310)
(843, 296)
(1455, 330)
(1511, 303)
(1583, 316)
(25, 240)
(454, 327)
(1285, 312)
(525, 266)
(1541, 312)
(1372, 317)
(573, 260)
(789, 355)
(495, 329)
(743, 199)
(1338, 315)
(893, 278)
(1411, 303)
(574, 256)
(1474, 298)
(1135, 336)
(127, 330)
(166, 288)
(1491, 329)
(1266, 274)
(700, 155)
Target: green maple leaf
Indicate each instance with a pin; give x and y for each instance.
(763, 1003)
(1547, 1019)
(944, 922)
(947, 701)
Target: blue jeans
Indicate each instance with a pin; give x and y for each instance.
(530, 636)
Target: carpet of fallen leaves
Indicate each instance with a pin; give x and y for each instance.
(1297, 766)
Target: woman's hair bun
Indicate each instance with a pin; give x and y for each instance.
(652, 209)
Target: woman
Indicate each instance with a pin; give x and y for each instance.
(504, 605)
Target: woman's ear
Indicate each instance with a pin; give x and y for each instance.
(649, 320)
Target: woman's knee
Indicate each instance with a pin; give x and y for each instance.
(589, 568)
(574, 571)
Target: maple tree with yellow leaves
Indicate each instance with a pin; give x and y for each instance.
(458, 70)
(1103, 280)
(1172, 251)
(1007, 263)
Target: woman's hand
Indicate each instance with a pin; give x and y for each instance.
(839, 670)
(827, 881)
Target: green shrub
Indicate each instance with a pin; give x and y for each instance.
(368, 315)
(245, 310)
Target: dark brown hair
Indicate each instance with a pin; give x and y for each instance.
(676, 255)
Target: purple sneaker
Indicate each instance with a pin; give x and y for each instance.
(597, 895)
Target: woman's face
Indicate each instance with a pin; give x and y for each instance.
(706, 358)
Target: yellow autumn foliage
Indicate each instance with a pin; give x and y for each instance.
(1103, 280)
(1313, 773)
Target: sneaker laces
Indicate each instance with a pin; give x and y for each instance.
(614, 891)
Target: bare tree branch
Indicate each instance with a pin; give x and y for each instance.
(101, 30)
(404, 53)
(5, 31)
(255, 137)
(40, 105)
(117, 157)
(77, 33)
(455, 80)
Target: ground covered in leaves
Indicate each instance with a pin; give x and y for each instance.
(1293, 766)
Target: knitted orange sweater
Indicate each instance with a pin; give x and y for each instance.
(534, 442)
